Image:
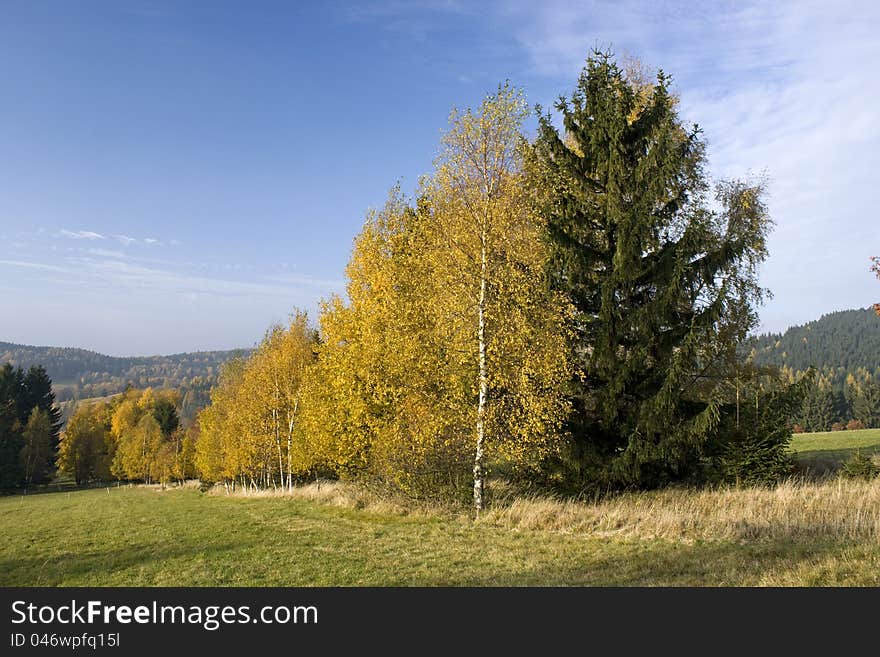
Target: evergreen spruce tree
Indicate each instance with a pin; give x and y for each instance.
(11, 443)
(37, 393)
(866, 405)
(817, 409)
(662, 278)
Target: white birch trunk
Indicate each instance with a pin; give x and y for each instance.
(290, 421)
(479, 475)
(276, 421)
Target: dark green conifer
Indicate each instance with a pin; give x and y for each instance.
(661, 273)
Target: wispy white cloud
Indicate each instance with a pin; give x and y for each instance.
(151, 240)
(107, 253)
(785, 87)
(33, 265)
(303, 279)
(125, 240)
(120, 275)
(115, 272)
(81, 234)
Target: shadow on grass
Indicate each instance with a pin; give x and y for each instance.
(704, 564)
(821, 463)
(99, 566)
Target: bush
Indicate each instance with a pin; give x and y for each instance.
(752, 445)
(838, 426)
(859, 466)
(797, 429)
(855, 425)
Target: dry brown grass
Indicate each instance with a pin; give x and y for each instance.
(838, 510)
(339, 494)
(833, 509)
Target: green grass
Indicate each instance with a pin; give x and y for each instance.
(825, 451)
(144, 537)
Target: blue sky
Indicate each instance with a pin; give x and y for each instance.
(177, 175)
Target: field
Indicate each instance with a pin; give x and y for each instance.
(798, 534)
(823, 452)
(824, 532)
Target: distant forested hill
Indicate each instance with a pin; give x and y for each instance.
(81, 374)
(848, 340)
(844, 347)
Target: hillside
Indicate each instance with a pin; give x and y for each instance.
(848, 340)
(81, 374)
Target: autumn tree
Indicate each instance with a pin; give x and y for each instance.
(215, 457)
(185, 463)
(138, 448)
(490, 262)
(384, 398)
(37, 455)
(876, 269)
(450, 353)
(86, 447)
(661, 273)
(249, 431)
(142, 425)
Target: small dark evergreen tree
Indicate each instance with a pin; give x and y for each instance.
(11, 444)
(816, 411)
(37, 393)
(859, 466)
(755, 434)
(166, 415)
(866, 404)
(11, 441)
(661, 276)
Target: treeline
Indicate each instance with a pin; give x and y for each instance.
(844, 350)
(29, 427)
(827, 406)
(837, 344)
(195, 394)
(82, 374)
(135, 436)
(566, 309)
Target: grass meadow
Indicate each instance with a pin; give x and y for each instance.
(807, 532)
(822, 453)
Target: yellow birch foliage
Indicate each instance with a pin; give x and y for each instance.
(251, 431)
(396, 390)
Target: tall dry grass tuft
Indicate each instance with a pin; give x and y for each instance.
(346, 495)
(839, 509)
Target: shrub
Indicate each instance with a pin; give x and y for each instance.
(797, 428)
(859, 466)
(855, 425)
(753, 445)
(838, 426)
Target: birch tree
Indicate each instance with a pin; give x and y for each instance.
(450, 353)
(249, 430)
(37, 451)
(273, 386)
(490, 258)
